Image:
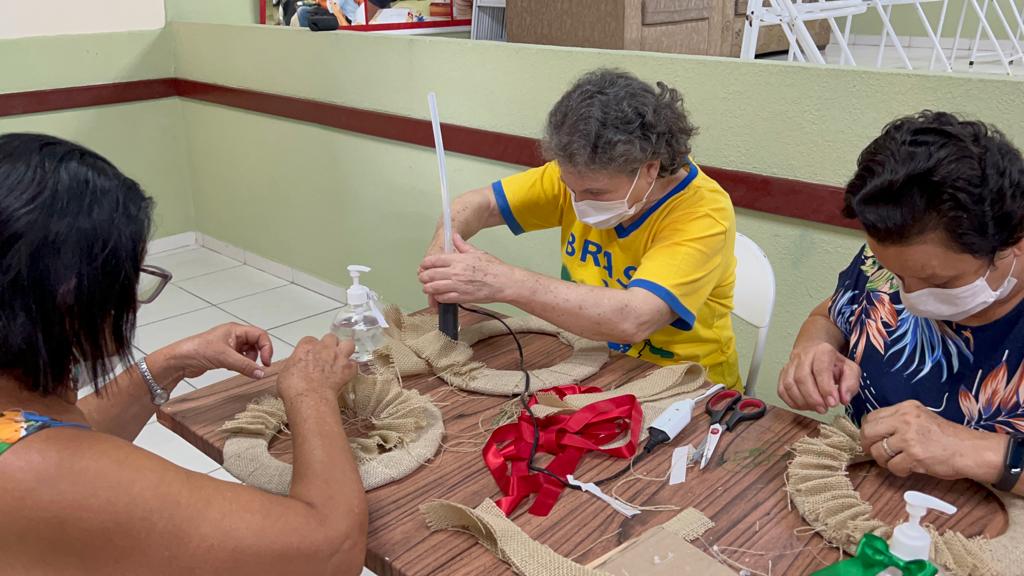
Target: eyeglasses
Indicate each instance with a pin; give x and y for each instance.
(152, 282)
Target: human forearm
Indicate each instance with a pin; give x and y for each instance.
(624, 316)
(981, 457)
(125, 404)
(818, 329)
(471, 213)
(325, 476)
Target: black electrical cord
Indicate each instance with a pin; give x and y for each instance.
(655, 437)
(524, 399)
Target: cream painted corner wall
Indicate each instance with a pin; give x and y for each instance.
(146, 140)
(19, 18)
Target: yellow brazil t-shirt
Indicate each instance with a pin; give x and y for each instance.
(680, 249)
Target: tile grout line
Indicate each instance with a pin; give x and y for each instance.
(239, 297)
(304, 318)
(178, 281)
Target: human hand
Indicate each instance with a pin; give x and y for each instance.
(468, 276)
(818, 377)
(909, 438)
(436, 249)
(232, 346)
(317, 366)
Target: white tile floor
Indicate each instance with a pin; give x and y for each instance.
(209, 289)
(866, 55)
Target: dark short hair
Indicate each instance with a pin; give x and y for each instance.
(611, 120)
(73, 233)
(934, 171)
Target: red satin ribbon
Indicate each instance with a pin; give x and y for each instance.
(565, 436)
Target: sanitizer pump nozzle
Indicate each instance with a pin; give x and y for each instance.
(357, 293)
(910, 541)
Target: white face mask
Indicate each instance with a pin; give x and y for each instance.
(603, 215)
(955, 304)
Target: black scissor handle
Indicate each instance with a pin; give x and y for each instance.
(747, 409)
(721, 403)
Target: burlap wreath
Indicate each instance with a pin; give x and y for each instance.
(399, 430)
(820, 487)
(415, 346)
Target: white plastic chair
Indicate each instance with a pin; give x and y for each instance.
(754, 299)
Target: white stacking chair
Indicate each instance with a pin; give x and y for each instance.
(884, 10)
(1014, 50)
(792, 16)
(754, 299)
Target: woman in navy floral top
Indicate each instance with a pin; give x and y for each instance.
(923, 339)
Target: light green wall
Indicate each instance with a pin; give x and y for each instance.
(319, 198)
(907, 22)
(41, 62)
(146, 140)
(218, 11)
(776, 118)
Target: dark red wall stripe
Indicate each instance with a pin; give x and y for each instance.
(771, 194)
(54, 99)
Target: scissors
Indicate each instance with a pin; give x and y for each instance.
(718, 406)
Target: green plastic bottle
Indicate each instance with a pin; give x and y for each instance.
(873, 558)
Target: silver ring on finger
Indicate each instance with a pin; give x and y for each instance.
(885, 447)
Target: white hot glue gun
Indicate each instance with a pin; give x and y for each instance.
(672, 421)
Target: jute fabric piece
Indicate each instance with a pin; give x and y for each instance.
(399, 431)
(415, 346)
(511, 545)
(819, 485)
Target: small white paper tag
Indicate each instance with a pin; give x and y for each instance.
(619, 506)
(680, 460)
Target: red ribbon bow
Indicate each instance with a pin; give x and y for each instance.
(565, 436)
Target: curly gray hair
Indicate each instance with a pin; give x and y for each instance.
(611, 120)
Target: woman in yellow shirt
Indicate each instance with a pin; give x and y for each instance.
(646, 236)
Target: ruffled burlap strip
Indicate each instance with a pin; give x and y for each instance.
(523, 554)
(400, 430)
(819, 485)
(415, 346)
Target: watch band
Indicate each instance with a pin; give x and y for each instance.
(158, 394)
(1013, 465)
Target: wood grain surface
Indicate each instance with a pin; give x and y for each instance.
(742, 491)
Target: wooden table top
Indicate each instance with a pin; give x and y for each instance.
(742, 491)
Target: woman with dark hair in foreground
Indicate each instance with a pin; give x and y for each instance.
(79, 498)
(923, 339)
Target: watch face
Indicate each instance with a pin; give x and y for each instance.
(160, 396)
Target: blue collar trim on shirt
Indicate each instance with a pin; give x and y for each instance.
(624, 231)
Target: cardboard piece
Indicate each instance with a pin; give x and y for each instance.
(659, 552)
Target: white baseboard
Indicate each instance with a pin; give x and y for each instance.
(175, 242)
(221, 247)
(306, 280)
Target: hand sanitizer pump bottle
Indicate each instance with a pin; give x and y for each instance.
(360, 320)
(910, 541)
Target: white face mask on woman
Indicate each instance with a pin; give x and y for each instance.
(955, 304)
(604, 215)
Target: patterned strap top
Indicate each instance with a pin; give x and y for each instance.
(18, 424)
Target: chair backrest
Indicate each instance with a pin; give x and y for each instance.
(754, 297)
